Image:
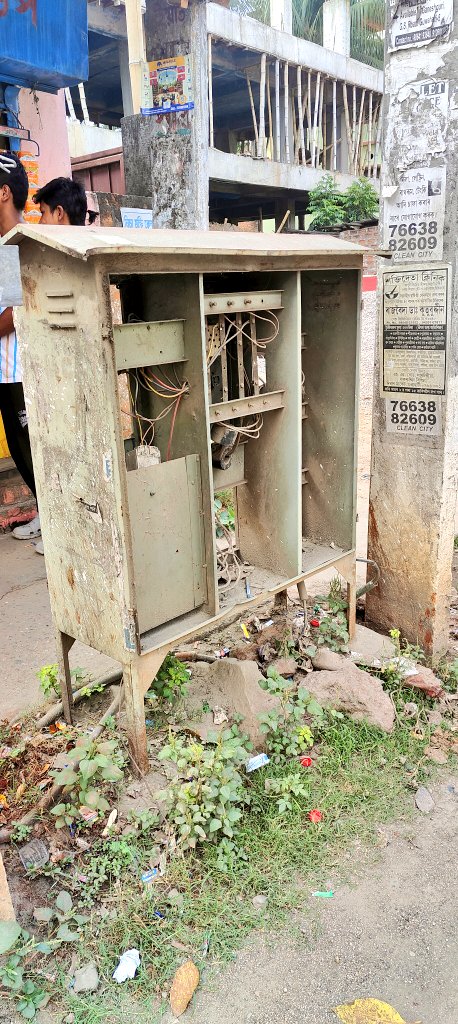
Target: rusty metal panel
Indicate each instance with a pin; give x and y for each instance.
(78, 453)
(165, 504)
(330, 363)
(149, 344)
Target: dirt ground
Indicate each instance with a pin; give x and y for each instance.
(391, 935)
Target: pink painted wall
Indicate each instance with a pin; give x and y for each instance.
(48, 127)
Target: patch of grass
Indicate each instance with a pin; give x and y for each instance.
(362, 779)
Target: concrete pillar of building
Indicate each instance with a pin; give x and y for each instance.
(126, 85)
(281, 15)
(166, 156)
(336, 26)
(413, 489)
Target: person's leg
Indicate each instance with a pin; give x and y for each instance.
(12, 408)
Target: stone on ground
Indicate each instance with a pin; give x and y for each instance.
(86, 978)
(285, 667)
(426, 681)
(235, 686)
(424, 800)
(328, 661)
(358, 694)
(371, 648)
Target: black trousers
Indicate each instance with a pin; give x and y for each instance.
(12, 408)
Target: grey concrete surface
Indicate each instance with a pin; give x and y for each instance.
(391, 936)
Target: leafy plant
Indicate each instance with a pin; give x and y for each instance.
(64, 914)
(48, 677)
(87, 691)
(285, 789)
(332, 632)
(228, 855)
(108, 861)
(286, 734)
(171, 683)
(360, 201)
(21, 946)
(205, 800)
(101, 763)
(326, 203)
(224, 513)
(19, 833)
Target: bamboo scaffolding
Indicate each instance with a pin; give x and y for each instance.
(353, 136)
(262, 110)
(358, 138)
(269, 110)
(286, 78)
(253, 112)
(277, 111)
(301, 114)
(378, 138)
(334, 125)
(320, 124)
(295, 127)
(348, 126)
(324, 127)
(315, 117)
(210, 90)
(369, 135)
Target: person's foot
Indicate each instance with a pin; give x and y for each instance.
(39, 548)
(28, 530)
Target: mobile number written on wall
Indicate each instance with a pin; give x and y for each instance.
(413, 416)
(413, 238)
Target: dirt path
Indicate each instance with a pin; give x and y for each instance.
(393, 936)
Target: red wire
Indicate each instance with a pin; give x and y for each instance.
(172, 427)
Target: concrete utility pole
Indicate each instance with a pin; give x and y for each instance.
(415, 436)
(166, 156)
(336, 26)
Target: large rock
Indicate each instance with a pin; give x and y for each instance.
(358, 694)
(235, 686)
(371, 648)
(86, 979)
(328, 661)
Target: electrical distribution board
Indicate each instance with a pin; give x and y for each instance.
(232, 367)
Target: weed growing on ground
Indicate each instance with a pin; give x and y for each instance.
(171, 683)
(101, 763)
(286, 734)
(205, 800)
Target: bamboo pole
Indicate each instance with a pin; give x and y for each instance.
(358, 140)
(301, 113)
(353, 136)
(334, 125)
(320, 123)
(369, 135)
(262, 109)
(309, 110)
(348, 127)
(253, 112)
(315, 117)
(378, 137)
(286, 76)
(295, 127)
(210, 90)
(277, 111)
(269, 109)
(325, 126)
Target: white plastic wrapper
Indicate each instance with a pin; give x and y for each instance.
(128, 966)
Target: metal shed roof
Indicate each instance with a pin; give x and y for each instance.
(85, 242)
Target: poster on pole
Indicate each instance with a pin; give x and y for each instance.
(167, 86)
(414, 331)
(417, 23)
(414, 214)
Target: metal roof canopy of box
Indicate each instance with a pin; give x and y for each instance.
(254, 340)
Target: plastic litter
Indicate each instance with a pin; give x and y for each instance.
(219, 716)
(128, 966)
(315, 816)
(148, 877)
(88, 814)
(223, 653)
(325, 895)
(245, 631)
(258, 761)
(34, 854)
(315, 623)
(306, 762)
(248, 589)
(111, 820)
